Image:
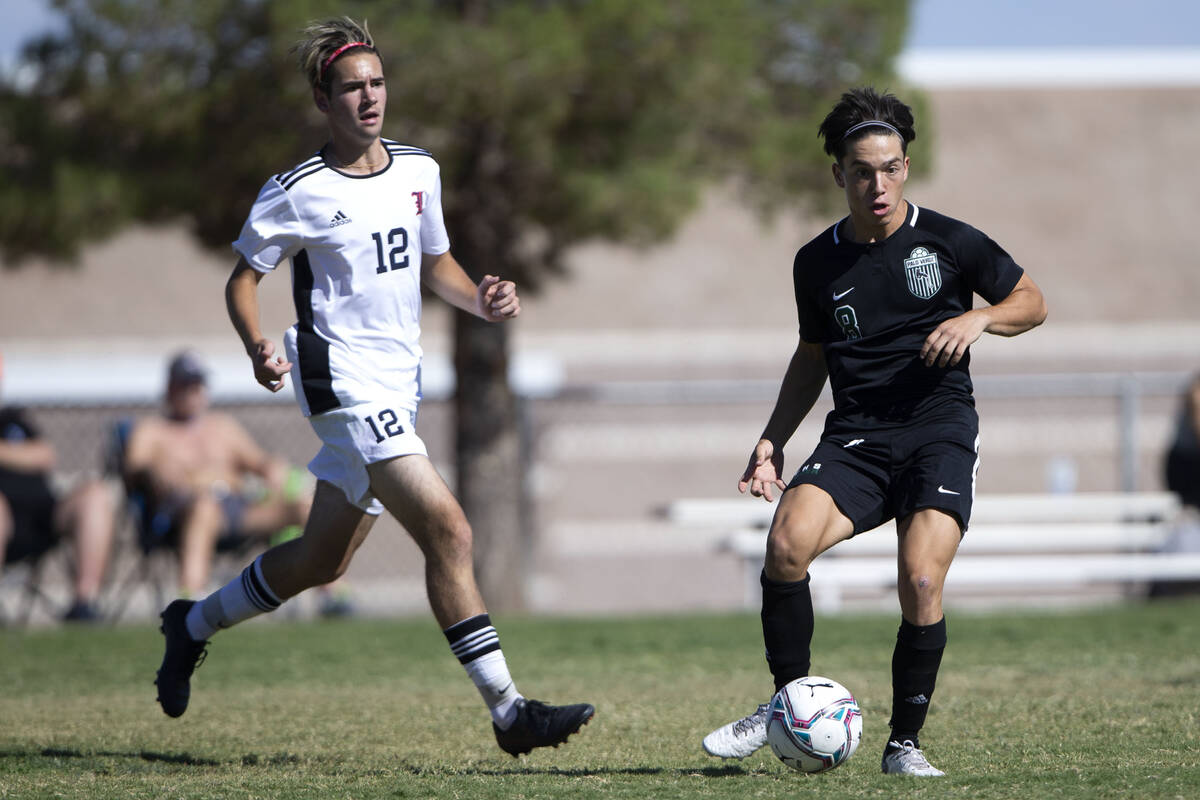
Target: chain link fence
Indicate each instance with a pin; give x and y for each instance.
(606, 455)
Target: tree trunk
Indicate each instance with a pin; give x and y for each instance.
(488, 460)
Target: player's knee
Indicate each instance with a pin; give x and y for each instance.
(787, 557)
(453, 542)
(924, 585)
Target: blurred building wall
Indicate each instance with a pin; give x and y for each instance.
(1089, 188)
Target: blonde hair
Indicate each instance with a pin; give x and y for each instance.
(324, 42)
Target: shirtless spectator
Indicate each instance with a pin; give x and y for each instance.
(193, 465)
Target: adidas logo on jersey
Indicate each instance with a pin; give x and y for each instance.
(338, 219)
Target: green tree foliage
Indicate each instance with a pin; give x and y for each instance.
(554, 123)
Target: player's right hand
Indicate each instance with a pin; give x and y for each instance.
(763, 471)
(269, 369)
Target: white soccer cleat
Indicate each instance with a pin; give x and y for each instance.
(741, 738)
(904, 758)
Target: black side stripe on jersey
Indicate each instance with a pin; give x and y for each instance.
(311, 350)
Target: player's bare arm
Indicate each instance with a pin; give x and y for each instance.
(801, 386)
(241, 300)
(1024, 308)
(492, 299)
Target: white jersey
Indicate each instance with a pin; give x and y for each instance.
(355, 242)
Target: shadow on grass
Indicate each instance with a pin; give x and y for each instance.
(185, 759)
(421, 770)
(416, 770)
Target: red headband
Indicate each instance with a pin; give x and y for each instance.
(336, 53)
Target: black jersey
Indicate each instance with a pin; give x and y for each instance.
(19, 487)
(871, 306)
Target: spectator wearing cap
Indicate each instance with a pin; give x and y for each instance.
(197, 468)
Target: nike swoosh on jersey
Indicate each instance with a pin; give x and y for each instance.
(944, 490)
(839, 295)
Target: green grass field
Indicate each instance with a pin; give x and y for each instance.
(1096, 704)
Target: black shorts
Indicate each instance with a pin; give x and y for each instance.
(163, 520)
(877, 469)
(33, 529)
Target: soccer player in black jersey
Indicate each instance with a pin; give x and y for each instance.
(885, 300)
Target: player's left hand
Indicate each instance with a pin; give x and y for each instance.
(496, 299)
(950, 340)
(269, 369)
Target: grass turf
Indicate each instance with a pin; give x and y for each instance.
(1093, 704)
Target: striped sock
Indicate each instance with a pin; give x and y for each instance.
(243, 597)
(477, 646)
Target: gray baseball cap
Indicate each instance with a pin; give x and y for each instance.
(187, 367)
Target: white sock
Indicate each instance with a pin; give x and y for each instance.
(496, 687)
(244, 597)
(477, 646)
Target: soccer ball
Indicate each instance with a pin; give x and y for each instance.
(815, 724)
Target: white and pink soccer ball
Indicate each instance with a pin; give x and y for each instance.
(814, 724)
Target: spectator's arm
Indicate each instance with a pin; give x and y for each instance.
(28, 455)
(138, 461)
(253, 459)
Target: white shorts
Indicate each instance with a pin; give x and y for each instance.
(360, 435)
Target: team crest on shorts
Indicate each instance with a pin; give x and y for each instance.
(922, 273)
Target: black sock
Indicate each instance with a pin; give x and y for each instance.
(787, 623)
(915, 665)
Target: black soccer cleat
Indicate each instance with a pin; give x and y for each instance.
(182, 657)
(541, 725)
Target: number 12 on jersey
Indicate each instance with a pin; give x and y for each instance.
(393, 256)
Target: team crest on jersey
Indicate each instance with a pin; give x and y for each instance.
(922, 273)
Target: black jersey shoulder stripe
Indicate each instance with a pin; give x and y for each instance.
(406, 150)
(306, 164)
(392, 143)
(297, 177)
(415, 152)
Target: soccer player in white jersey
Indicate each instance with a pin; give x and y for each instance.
(361, 222)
